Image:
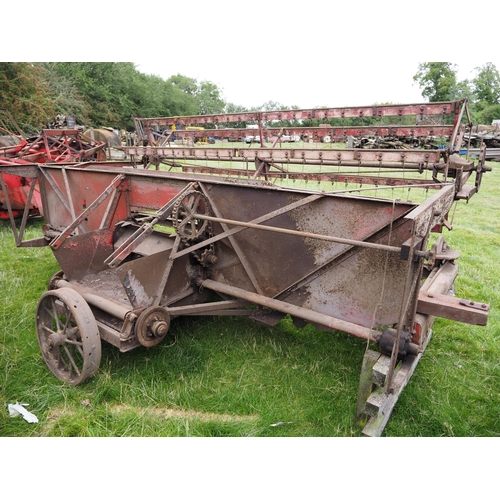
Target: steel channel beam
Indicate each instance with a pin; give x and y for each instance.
(333, 156)
(339, 177)
(332, 131)
(175, 162)
(435, 108)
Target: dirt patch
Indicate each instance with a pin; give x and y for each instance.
(162, 412)
(185, 414)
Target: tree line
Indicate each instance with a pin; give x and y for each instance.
(111, 93)
(99, 94)
(438, 82)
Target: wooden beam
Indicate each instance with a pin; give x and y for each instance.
(365, 385)
(454, 308)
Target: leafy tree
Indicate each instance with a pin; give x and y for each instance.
(206, 95)
(487, 114)
(437, 80)
(24, 92)
(462, 90)
(486, 85)
(66, 98)
(111, 90)
(272, 106)
(209, 99)
(184, 83)
(161, 98)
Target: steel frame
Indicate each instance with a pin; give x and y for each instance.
(313, 163)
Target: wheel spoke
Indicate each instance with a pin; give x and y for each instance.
(55, 316)
(71, 360)
(73, 342)
(196, 204)
(183, 223)
(191, 201)
(46, 328)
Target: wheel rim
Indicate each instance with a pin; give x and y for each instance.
(68, 335)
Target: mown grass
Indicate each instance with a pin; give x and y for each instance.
(230, 377)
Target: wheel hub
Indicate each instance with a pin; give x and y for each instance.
(152, 326)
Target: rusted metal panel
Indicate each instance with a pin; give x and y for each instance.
(85, 253)
(317, 133)
(364, 287)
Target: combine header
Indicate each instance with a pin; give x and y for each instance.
(317, 233)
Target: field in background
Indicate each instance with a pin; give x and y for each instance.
(230, 377)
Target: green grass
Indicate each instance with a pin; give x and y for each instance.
(230, 377)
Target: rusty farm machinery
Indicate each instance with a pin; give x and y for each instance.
(315, 233)
(64, 145)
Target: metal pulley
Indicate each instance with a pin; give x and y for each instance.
(152, 326)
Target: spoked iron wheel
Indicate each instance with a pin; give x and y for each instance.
(68, 335)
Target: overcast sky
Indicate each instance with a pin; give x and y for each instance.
(345, 84)
(308, 54)
(321, 53)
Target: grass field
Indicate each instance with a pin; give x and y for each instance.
(229, 377)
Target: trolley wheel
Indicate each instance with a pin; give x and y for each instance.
(152, 326)
(68, 335)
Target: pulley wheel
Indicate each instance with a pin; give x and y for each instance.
(68, 335)
(188, 226)
(152, 326)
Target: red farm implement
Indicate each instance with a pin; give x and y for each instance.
(62, 146)
(319, 234)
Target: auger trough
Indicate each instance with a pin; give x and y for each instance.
(229, 231)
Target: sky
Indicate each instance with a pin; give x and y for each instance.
(322, 53)
(346, 84)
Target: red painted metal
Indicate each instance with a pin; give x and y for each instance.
(399, 110)
(64, 146)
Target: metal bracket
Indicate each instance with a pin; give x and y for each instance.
(474, 305)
